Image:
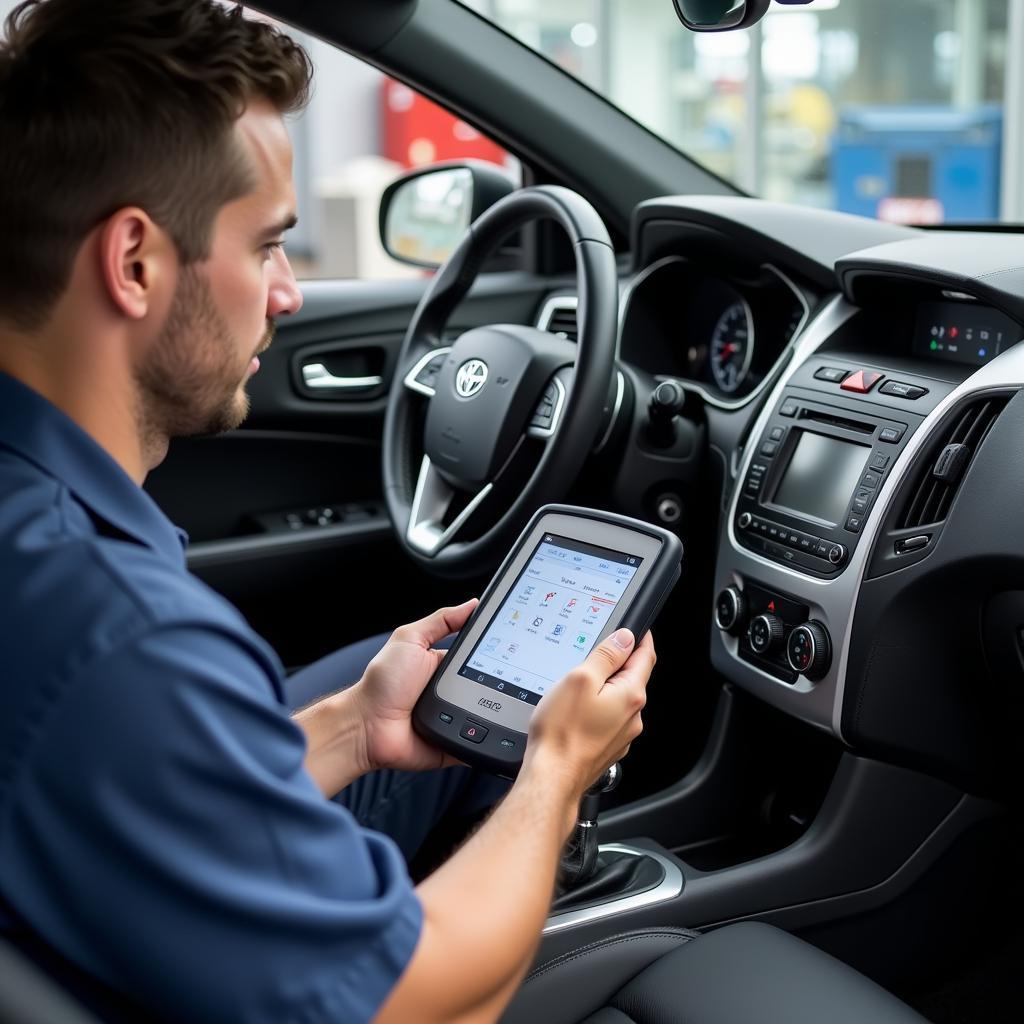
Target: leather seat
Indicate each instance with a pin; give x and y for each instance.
(742, 974)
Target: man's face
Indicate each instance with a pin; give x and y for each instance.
(193, 378)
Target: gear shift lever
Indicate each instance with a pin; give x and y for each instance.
(579, 859)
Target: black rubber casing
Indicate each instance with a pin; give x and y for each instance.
(491, 755)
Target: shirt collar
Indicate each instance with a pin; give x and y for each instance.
(38, 431)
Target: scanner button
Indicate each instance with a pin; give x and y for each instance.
(445, 717)
(473, 732)
(507, 743)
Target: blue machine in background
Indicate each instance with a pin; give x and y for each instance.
(919, 164)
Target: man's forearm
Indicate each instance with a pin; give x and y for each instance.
(468, 964)
(336, 753)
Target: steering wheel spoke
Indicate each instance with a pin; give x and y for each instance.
(422, 376)
(431, 504)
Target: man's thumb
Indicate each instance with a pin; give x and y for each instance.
(611, 654)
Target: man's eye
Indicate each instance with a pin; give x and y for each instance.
(270, 247)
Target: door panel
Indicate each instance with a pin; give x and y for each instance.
(286, 514)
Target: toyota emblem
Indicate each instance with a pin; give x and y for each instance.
(470, 377)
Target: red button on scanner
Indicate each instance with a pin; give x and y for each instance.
(861, 382)
(473, 732)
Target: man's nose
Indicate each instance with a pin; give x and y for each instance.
(284, 296)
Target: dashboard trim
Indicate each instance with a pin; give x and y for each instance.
(835, 601)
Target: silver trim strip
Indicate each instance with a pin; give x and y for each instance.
(429, 504)
(667, 889)
(316, 375)
(410, 380)
(831, 601)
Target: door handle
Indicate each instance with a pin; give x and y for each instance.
(316, 375)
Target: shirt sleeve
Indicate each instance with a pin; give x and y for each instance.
(165, 836)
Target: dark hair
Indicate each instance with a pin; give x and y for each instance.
(113, 103)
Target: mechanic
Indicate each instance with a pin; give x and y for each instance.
(167, 845)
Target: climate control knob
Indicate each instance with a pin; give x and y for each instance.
(809, 650)
(730, 610)
(765, 633)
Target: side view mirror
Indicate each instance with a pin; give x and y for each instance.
(424, 214)
(724, 15)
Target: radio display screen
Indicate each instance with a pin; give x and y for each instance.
(821, 477)
(959, 332)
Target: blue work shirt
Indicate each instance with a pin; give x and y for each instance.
(161, 842)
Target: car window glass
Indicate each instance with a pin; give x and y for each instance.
(908, 111)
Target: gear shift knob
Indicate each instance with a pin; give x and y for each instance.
(580, 857)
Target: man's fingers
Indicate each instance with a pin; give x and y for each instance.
(436, 626)
(640, 663)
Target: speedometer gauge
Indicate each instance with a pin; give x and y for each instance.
(732, 347)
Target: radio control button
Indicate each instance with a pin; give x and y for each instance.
(900, 390)
(822, 549)
(744, 520)
(777, 433)
(870, 480)
(833, 374)
(473, 732)
(892, 435)
(836, 554)
(788, 409)
(854, 523)
(769, 448)
(879, 461)
(861, 501)
(806, 543)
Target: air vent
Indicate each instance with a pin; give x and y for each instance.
(947, 462)
(559, 317)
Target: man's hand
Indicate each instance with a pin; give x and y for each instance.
(590, 718)
(393, 682)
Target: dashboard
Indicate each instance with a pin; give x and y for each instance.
(860, 384)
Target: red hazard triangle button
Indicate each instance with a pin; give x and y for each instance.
(862, 381)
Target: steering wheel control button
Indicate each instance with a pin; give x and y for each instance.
(892, 435)
(860, 382)
(898, 389)
(833, 374)
(730, 610)
(445, 717)
(473, 732)
(808, 650)
(765, 634)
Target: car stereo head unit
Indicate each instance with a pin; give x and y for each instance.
(814, 477)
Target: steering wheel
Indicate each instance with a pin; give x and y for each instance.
(465, 417)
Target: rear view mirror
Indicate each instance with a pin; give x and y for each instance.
(424, 215)
(723, 15)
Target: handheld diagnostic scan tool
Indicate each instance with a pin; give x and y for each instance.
(574, 576)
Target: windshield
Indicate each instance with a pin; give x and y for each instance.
(909, 111)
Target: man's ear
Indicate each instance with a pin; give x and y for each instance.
(136, 261)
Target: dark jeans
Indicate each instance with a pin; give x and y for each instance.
(403, 805)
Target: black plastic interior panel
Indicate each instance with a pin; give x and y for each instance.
(213, 487)
(985, 265)
(919, 689)
(807, 240)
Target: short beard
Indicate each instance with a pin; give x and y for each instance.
(190, 382)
